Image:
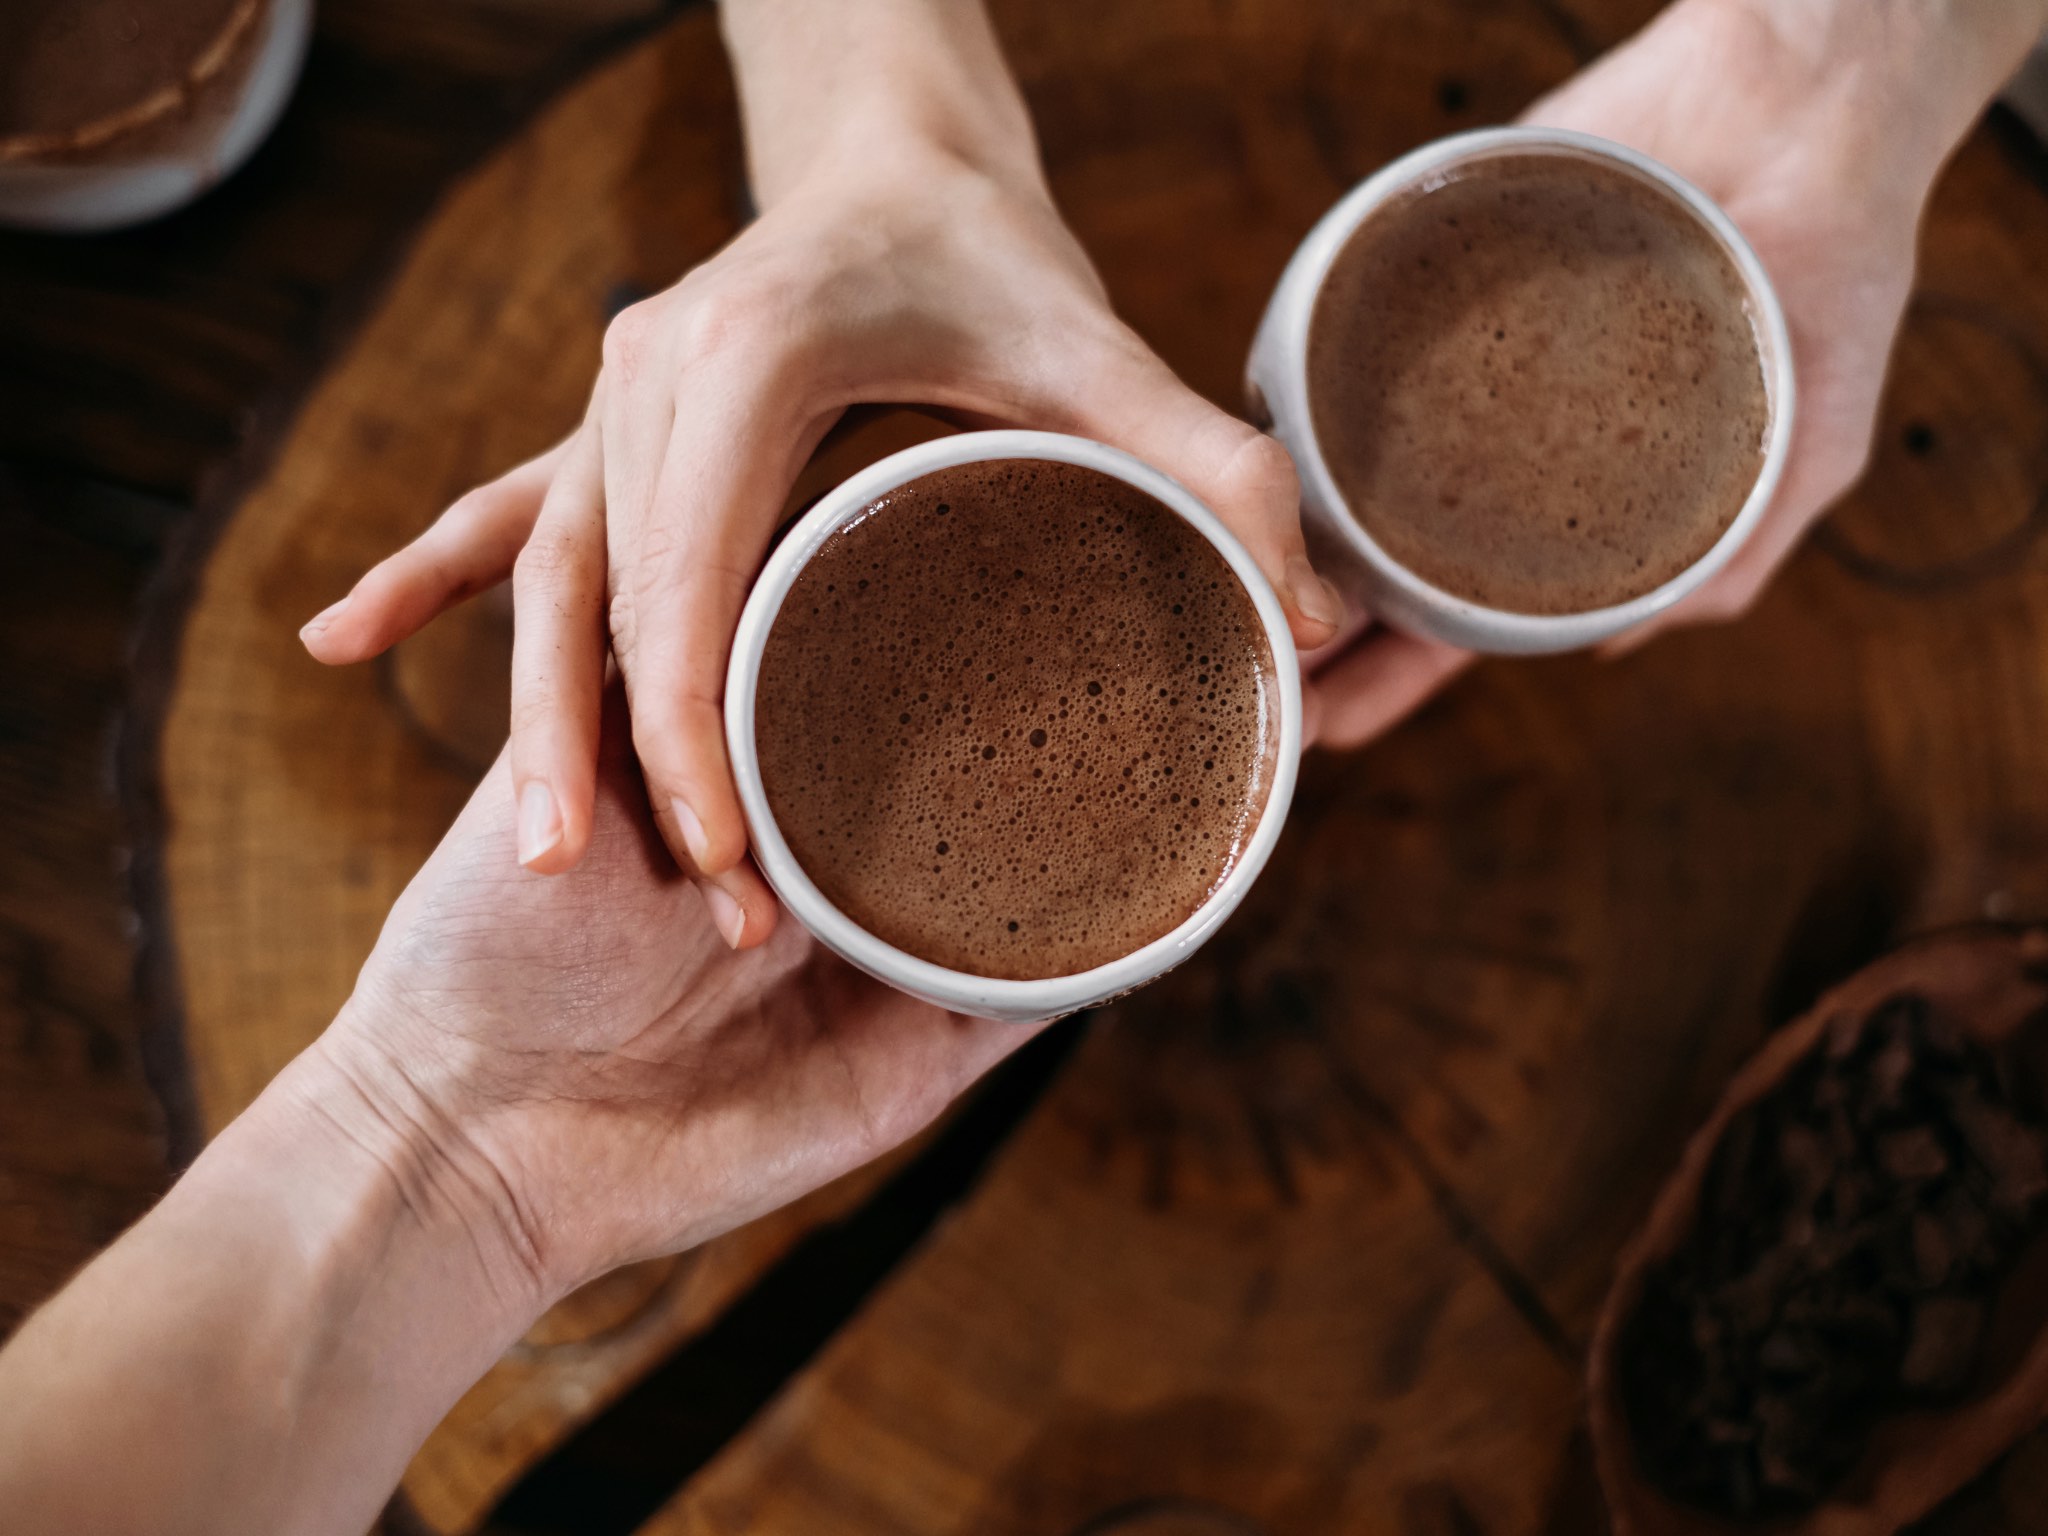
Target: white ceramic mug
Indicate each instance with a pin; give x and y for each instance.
(1276, 386)
(161, 153)
(993, 997)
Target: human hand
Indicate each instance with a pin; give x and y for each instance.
(895, 261)
(1819, 127)
(534, 1080)
(598, 1073)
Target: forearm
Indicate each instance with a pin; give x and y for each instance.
(1912, 75)
(828, 84)
(263, 1352)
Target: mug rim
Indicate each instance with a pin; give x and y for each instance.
(1509, 630)
(963, 991)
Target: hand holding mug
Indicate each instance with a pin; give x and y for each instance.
(588, 1061)
(908, 252)
(1819, 130)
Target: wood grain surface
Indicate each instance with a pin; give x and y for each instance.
(81, 1137)
(141, 374)
(1307, 1237)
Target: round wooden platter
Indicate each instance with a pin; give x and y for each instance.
(1308, 1236)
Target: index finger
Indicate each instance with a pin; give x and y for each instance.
(678, 588)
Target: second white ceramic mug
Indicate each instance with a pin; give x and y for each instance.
(992, 997)
(1276, 384)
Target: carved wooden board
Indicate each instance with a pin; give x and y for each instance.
(1306, 1238)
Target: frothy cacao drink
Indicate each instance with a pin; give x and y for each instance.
(1537, 383)
(90, 70)
(1017, 718)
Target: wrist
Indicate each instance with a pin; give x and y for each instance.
(1899, 81)
(283, 1330)
(861, 88)
(409, 1170)
(376, 1218)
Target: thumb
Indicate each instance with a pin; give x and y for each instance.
(1137, 404)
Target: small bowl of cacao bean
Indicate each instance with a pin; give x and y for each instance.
(1836, 1312)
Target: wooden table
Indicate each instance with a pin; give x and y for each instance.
(1307, 1237)
(141, 376)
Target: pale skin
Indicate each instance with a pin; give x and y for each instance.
(538, 1078)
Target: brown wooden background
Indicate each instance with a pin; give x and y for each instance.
(142, 374)
(1306, 1238)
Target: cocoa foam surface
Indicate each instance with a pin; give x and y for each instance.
(1017, 719)
(1538, 385)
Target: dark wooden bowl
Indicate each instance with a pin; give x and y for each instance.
(1992, 981)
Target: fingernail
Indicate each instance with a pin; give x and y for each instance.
(1315, 597)
(540, 823)
(726, 914)
(320, 620)
(691, 828)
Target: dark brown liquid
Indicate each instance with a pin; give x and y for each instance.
(1537, 385)
(1018, 719)
(67, 63)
